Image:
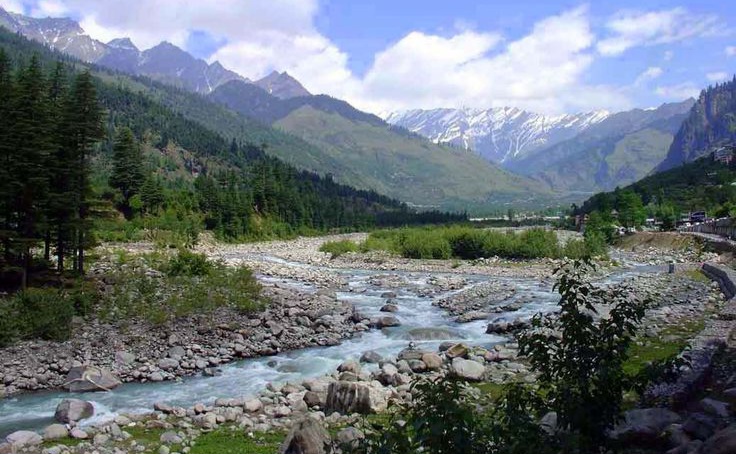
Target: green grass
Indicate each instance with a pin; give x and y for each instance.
(698, 276)
(669, 342)
(228, 441)
(338, 248)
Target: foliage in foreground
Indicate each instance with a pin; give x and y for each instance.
(470, 243)
(43, 313)
(182, 285)
(579, 358)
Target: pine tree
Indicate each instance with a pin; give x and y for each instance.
(6, 151)
(83, 123)
(127, 171)
(30, 139)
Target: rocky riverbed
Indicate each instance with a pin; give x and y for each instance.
(356, 299)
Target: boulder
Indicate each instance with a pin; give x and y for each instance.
(73, 410)
(168, 363)
(409, 354)
(390, 308)
(315, 399)
(90, 378)
(348, 439)
(253, 405)
(472, 316)
(23, 438)
(467, 369)
(643, 426)
(371, 357)
(715, 407)
(356, 397)
(124, 358)
(700, 425)
(78, 434)
(430, 334)
(349, 366)
(386, 322)
(432, 360)
(722, 442)
(55, 432)
(457, 351)
(307, 436)
(170, 438)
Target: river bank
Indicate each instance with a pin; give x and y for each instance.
(331, 305)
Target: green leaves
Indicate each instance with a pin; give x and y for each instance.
(579, 353)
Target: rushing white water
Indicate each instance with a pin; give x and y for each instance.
(248, 377)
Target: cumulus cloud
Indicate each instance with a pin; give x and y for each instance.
(678, 92)
(546, 69)
(650, 73)
(633, 28)
(14, 6)
(718, 76)
(730, 51)
(541, 71)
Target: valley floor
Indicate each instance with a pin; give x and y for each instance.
(348, 312)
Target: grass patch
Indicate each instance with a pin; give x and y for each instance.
(462, 242)
(493, 391)
(157, 288)
(338, 248)
(670, 342)
(698, 276)
(228, 440)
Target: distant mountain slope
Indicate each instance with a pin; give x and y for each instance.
(711, 122)
(502, 135)
(416, 170)
(617, 151)
(364, 150)
(282, 85)
(165, 62)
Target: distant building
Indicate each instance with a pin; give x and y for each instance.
(724, 155)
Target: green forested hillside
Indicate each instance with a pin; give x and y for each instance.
(711, 122)
(703, 184)
(416, 170)
(72, 148)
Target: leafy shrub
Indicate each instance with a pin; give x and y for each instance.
(338, 248)
(39, 313)
(191, 285)
(187, 263)
(579, 358)
(424, 244)
(464, 243)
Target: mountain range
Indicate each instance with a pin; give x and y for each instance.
(450, 158)
(164, 62)
(315, 133)
(502, 134)
(583, 152)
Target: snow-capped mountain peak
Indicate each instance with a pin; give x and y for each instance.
(499, 134)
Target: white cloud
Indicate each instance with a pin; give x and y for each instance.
(731, 51)
(650, 73)
(717, 76)
(678, 92)
(668, 55)
(541, 71)
(14, 6)
(49, 8)
(633, 28)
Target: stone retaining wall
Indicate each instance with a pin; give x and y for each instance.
(726, 277)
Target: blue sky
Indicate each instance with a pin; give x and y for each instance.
(549, 56)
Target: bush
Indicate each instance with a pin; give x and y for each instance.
(424, 244)
(464, 243)
(38, 313)
(187, 263)
(338, 248)
(190, 285)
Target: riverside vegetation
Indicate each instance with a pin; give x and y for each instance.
(471, 243)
